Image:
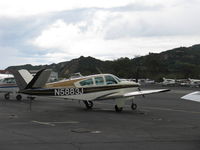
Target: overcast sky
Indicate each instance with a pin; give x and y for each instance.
(51, 31)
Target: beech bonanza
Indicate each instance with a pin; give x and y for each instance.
(85, 88)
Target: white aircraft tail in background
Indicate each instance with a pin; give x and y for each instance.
(194, 82)
(171, 82)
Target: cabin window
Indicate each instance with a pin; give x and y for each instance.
(9, 80)
(110, 80)
(87, 82)
(99, 80)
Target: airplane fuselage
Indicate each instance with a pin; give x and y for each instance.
(85, 93)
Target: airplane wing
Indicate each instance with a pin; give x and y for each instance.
(194, 96)
(131, 94)
(145, 92)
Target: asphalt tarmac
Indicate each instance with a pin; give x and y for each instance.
(162, 122)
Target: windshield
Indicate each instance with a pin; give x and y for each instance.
(110, 80)
(118, 79)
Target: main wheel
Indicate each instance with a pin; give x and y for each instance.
(88, 104)
(118, 109)
(134, 106)
(19, 97)
(7, 96)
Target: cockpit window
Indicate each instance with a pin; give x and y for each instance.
(99, 80)
(86, 82)
(110, 80)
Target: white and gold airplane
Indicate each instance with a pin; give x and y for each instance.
(85, 88)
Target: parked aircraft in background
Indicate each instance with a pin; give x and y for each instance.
(8, 86)
(85, 88)
(194, 96)
(171, 82)
(194, 82)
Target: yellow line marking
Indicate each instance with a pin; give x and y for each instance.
(43, 123)
(170, 109)
(55, 122)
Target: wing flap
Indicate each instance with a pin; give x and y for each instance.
(131, 94)
(145, 92)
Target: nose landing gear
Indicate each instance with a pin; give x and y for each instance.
(118, 109)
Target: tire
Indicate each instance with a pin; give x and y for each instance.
(134, 106)
(88, 104)
(7, 96)
(19, 97)
(118, 109)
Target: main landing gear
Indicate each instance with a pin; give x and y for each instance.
(88, 104)
(118, 109)
(120, 103)
(134, 106)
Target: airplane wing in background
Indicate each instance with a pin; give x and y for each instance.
(194, 96)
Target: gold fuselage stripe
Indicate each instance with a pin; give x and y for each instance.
(67, 83)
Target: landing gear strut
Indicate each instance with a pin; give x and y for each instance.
(88, 104)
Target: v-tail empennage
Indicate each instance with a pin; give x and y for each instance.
(26, 81)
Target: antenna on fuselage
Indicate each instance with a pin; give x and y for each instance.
(99, 70)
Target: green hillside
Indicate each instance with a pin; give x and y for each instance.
(183, 62)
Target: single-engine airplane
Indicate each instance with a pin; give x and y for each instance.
(85, 88)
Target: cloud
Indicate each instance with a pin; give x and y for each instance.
(166, 21)
(34, 7)
(34, 32)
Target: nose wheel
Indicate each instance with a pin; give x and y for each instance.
(134, 106)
